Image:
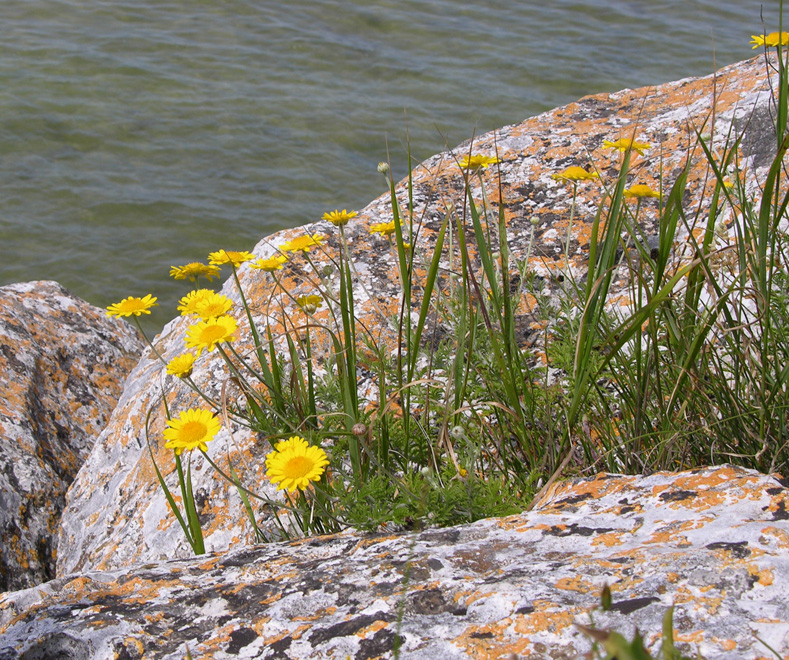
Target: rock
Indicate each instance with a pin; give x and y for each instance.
(116, 513)
(63, 364)
(713, 542)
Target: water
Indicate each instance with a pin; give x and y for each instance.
(139, 135)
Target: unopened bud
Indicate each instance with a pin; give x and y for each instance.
(359, 430)
(383, 168)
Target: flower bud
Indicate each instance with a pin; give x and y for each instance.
(383, 168)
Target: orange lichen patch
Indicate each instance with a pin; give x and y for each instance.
(77, 584)
(136, 644)
(595, 488)
(94, 609)
(369, 542)
(373, 628)
(318, 614)
(490, 642)
(98, 624)
(575, 584)
(517, 523)
(694, 637)
(267, 641)
(527, 303)
(779, 502)
(722, 475)
(155, 617)
(780, 535)
(210, 563)
(542, 620)
(765, 576)
(166, 522)
(609, 539)
(669, 537)
(725, 644)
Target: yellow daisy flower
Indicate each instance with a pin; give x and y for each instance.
(623, 144)
(477, 162)
(303, 243)
(294, 463)
(269, 265)
(770, 40)
(309, 303)
(181, 365)
(132, 306)
(575, 173)
(211, 306)
(383, 228)
(338, 218)
(640, 190)
(192, 430)
(188, 304)
(194, 270)
(207, 334)
(230, 257)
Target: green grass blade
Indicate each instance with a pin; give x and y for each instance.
(430, 281)
(168, 495)
(192, 518)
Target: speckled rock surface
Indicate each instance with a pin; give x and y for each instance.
(714, 542)
(63, 364)
(116, 513)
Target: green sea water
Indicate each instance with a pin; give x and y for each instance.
(139, 135)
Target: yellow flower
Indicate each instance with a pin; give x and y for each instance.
(192, 429)
(188, 304)
(303, 243)
(294, 463)
(211, 306)
(640, 190)
(181, 365)
(132, 306)
(269, 265)
(207, 334)
(338, 218)
(309, 303)
(194, 270)
(383, 228)
(624, 144)
(575, 173)
(230, 257)
(477, 162)
(771, 40)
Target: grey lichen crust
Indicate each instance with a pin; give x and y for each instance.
(63, 366)
(713, 542)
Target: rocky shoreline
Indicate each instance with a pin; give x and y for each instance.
(713, 541)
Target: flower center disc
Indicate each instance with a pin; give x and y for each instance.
(212, 334)
(213, 310)
(298, 466)
(192, 433)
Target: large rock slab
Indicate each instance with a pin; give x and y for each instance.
(713, 542)
(63, 364)
(116, 513)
